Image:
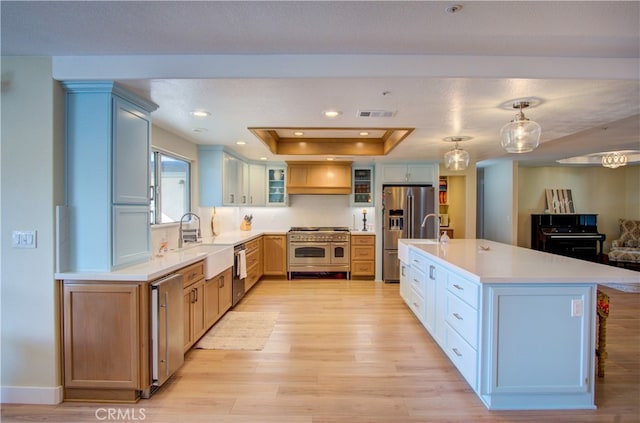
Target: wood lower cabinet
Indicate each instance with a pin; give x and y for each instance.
(105, 340)
(217, 297)
(275, 255)
(193, 303)
(254, 262)
(363, 256)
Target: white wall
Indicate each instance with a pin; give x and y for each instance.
(500, 205)
(609, 193)
(31, 185)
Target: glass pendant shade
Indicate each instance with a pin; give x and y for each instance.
(456, 159)
(614, 160)
(520, 136)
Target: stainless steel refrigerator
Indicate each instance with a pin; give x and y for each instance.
(404, 209)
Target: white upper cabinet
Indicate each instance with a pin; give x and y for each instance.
(411, 173)
(276, 187)
(107, 157)
(362, 189)
(257, 185)
(131, 147)
(227, 180)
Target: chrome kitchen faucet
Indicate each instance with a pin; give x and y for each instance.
(436, 222)
(188, 235)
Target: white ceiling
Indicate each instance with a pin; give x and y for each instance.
(280, 64)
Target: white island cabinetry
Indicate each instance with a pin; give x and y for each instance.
(518, 324)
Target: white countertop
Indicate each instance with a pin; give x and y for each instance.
(503, 263)
(171, 261)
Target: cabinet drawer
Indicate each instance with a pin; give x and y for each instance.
(464, 289)
(417, 303)
(462, 318)
(418, 260)
(362, 268)
(251, 245)
(252, 259)
(362, 252)
(417, 280)
(462, 355)
(363, 240)
(192, 273)
(253, 274)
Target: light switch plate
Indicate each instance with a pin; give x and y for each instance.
(23, 239)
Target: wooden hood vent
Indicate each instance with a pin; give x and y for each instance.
(321, 177)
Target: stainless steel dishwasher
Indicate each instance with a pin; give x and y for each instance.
(167, 330)
(239, 274)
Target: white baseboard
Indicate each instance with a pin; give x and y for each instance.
(30, 395)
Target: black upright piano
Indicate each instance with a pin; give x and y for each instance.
(573, 235)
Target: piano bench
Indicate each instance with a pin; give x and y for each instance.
(602, 310)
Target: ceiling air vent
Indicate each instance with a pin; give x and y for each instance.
(375, 113)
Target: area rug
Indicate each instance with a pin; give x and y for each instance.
(240, 330)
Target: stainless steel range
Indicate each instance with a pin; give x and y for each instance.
(318, 249)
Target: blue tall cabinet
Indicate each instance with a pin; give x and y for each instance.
(107, 151)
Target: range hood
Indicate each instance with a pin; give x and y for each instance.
(318, 177)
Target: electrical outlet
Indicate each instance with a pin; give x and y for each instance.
(576, 308)
(23, 239)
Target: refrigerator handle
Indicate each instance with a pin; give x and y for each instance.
(409, 216)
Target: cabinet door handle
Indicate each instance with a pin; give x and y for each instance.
(244, 199)
(221, 282)
(232, 198)
(456, 352)
(432, 272)
(416, 305)
(402, 270)
(456, 286)
(457, 316)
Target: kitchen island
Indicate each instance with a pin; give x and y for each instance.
(519, 324)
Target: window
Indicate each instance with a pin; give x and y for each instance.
(170, 188)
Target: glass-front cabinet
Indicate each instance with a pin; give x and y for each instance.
(276, 192)
(362, 193)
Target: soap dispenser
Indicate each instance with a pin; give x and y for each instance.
(444, 238)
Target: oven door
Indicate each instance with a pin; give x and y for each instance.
(340, 253)
(309, 253)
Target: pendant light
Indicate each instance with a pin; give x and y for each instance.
(521, 135)
(457, 158)
(614, 159)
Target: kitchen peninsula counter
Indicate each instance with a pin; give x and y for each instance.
(518, 324)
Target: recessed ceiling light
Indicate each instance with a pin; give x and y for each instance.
(364, 133)
(200, 129)
(241, 142)
(332, 113)
(298, 133)
(263, 158)
(454, 8)
(200, 113)
(330, 159)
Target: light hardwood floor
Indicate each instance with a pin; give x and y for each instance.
(349, 351)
